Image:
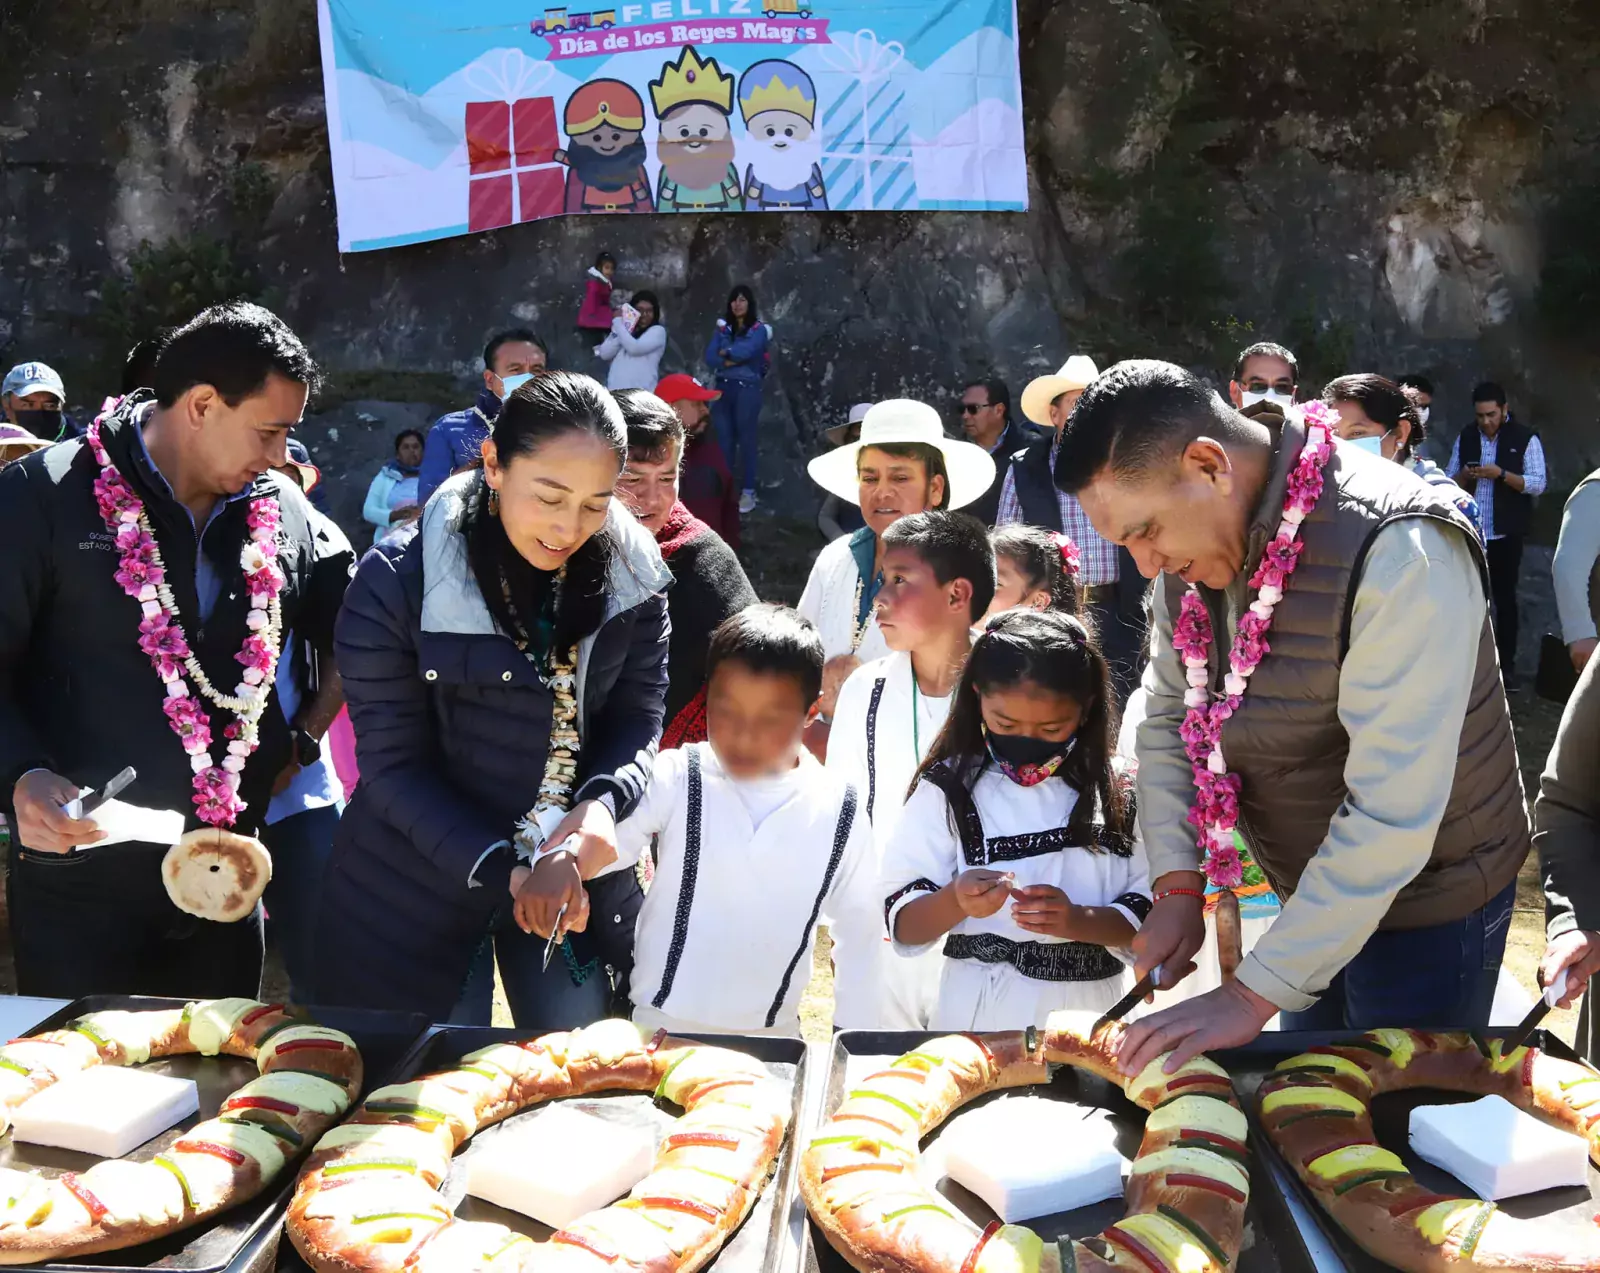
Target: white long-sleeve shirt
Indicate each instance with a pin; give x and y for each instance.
(1023, 831)
(829, 601)
(881, 731)
(635, 360)
(743, 874)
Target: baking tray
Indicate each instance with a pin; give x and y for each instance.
(384, 1038)
(1272, 1242)
(1575, 1208)
(762, 1244)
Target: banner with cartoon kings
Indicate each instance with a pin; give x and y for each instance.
(450, 117)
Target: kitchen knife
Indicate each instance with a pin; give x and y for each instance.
(555, 937)
(1553, 994)
(1124, 1005)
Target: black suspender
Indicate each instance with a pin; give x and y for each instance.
(691, 870)
(841, 837)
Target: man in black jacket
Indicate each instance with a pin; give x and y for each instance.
(80, 699)
(1501, 464)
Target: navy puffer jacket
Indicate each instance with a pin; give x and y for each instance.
(451, 723)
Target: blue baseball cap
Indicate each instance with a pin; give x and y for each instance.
(33, 377)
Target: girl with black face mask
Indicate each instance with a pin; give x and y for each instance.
(1018, 847)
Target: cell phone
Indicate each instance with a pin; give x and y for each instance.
(115, 787)
(628, 314)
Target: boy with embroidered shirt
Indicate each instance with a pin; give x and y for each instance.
(755, 843)
(938, 580)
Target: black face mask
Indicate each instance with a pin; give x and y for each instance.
(1020, 749)
(42, 422)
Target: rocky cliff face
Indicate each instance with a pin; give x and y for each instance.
(1392, 187)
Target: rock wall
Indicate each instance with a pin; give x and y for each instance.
(1392, 187)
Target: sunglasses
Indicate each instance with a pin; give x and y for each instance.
(972, 408)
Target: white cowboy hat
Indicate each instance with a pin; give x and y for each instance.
(858, 413)
(1078, 372)
(903, 420)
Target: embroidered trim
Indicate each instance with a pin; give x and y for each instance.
(872, 744)
(1013, 848)
(841, 837)
(969, 825)
(691, 870)
(1138, 903)
(1042, 961)
(916, 886)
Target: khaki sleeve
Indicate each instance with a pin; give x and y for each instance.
(1576, 552)
(1403, 694)
(1166, 779)
(1566, 817)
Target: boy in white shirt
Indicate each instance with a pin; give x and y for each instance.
(938, 580)
(756, 842)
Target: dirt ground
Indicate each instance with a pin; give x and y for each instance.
(1535, 721)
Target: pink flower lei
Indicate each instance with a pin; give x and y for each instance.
(1215, 812)
(142, 575)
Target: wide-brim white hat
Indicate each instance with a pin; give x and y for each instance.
(1078, 372)
(901, 420)
(858, 413)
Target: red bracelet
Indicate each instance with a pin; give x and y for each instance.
(1180, 892)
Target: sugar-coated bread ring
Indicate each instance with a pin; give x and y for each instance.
(1316, 1109)
(215, 1165)
(1186, 1196)
(216, 874)
(366, 1201)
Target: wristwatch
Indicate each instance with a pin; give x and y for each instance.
(307, 750)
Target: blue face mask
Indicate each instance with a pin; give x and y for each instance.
(510, 384)
(1373, 445)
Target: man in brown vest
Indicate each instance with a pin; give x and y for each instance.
(1380, 790)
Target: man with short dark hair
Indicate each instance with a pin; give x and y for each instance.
(510, 360)
(129, 636)
(708, 583)
(986, 420)
(1502, 465)
(1367, 745)
(1264, 372)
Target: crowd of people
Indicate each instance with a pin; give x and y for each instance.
(578, 728)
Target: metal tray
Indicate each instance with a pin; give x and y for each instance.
(383, 1037)
(1575, 1208)
(760, 1245)
(1272, 1243)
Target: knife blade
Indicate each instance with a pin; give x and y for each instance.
(1553, 994)
(1124, 1005)
(555, 937)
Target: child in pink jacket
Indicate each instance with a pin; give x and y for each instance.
(594, 317)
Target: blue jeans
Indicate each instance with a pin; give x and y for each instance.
(539, 1000)
(300, 846)
(736, 416)
(1430, 978)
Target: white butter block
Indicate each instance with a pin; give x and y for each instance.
(1496, 1150)
(105, 1110)
(561, 1164)
(1027, 1156)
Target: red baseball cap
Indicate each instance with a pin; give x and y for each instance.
(679, 386)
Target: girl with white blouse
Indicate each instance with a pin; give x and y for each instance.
(1017, 848)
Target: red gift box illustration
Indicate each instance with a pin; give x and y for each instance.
(511, 145)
